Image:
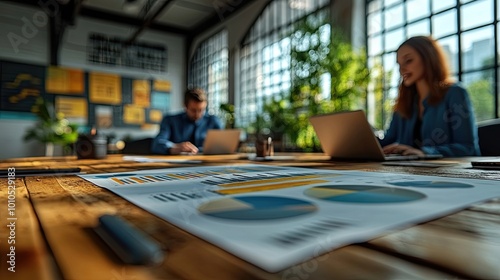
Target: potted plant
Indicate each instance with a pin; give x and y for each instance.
(228, 114)
(51, 128)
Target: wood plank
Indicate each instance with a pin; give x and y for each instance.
(190, 257)
(197, 255)
(464, 245)
(67, 224)
(492, 207)
(356, 262)
(32, 259)
(467, 242)
(462, 170)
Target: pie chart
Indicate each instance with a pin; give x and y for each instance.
(432, 184)
(256, 208)
(362, 194)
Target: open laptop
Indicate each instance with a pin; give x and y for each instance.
(349, 136)
(221, 141)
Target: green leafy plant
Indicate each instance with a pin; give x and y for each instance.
(318, 50)
(279, 116)
(228, 114)
(275, 120)
(51, 127)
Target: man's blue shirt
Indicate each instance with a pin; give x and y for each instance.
(447, 128)
(179, 128)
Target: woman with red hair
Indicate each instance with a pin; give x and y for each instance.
(432, 114)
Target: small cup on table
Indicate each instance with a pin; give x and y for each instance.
(264, 148)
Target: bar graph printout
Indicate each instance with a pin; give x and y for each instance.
(276, 217)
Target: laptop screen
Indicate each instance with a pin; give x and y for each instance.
(347, 135)
(223, 141)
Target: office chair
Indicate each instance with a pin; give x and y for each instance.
(489, 137)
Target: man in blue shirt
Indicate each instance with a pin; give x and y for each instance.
(185, 132)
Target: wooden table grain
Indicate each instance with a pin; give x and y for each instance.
(56, 215)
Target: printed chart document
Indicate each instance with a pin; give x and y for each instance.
(275, 217)
(148, 159)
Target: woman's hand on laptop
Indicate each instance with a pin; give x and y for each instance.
(405, 150)
(184, 147)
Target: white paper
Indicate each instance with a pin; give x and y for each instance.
(147, 159)
(305, 212)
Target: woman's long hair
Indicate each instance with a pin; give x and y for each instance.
(436, 74)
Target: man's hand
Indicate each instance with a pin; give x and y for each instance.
(402, 149)
(184, 147)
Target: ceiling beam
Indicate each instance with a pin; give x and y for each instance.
(56, 31)
(146, 23)
(223, 9)
(25, 2)
(108, 16)
(127, 20)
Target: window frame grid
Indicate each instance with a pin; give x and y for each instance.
(460, 67)
(214, 81)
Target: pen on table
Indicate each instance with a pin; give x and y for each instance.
(41, 171)
(131, 245)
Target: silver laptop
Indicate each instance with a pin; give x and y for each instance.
(221, 141)
(349, 136)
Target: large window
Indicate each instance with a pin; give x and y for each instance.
(209, 70)
(468, 31)
(265, 56)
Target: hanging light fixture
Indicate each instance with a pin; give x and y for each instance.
(131, 6)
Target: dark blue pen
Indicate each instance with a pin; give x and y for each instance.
(131, 245)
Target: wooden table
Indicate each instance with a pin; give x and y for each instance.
(55, 216)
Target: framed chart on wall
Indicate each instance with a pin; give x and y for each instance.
(160, 98)
(64, 81)
(21, 85)
(103, 100)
